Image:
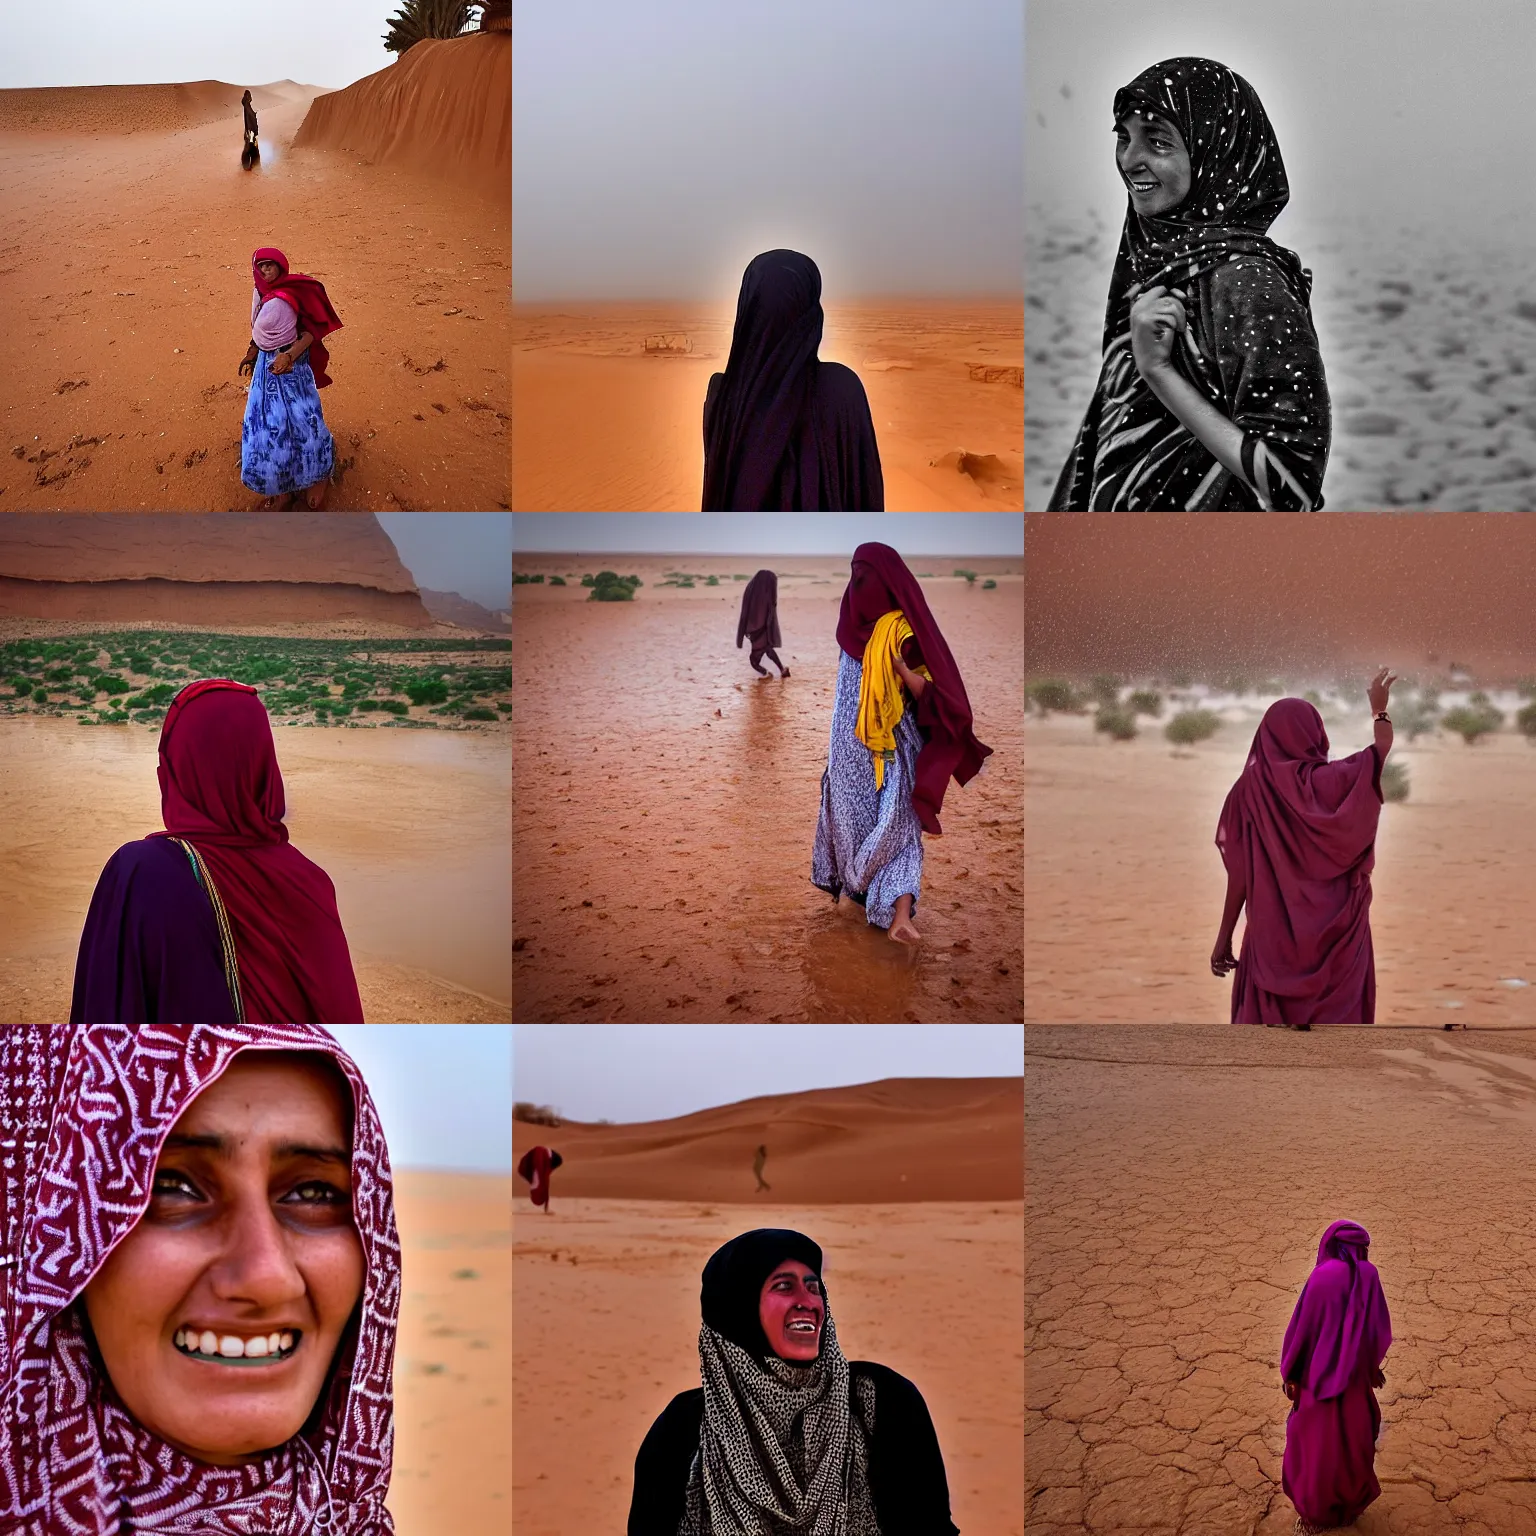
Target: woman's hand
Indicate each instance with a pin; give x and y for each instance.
(1222, 958)
(248, 361)
(1379, 688)
(1289, 1388)
(1378, 1377)
(281, 363)
(1157, 317)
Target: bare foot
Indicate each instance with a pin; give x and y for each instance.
(314, 497)
(904, 931)
(278, 503)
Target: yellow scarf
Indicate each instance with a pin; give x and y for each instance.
(881, 704)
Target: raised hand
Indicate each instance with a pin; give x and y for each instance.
(1379, 689)
(1157, 317)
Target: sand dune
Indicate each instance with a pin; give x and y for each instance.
(121, 109)
(603, 425)
(944, 1138)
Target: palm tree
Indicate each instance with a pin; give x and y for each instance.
(417, 19)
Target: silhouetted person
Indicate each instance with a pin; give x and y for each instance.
(757, 1168)
(251, 151)
(537, 1165)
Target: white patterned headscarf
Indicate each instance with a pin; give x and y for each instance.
(783, 1447)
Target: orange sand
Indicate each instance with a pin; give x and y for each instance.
(1178, 1190)
(603, 427)
(126, 259)
(665, 801)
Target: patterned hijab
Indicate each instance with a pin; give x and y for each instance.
(783, 1447)
(1259, 358)
(85, 1111)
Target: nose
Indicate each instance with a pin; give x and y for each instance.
(256, 1265)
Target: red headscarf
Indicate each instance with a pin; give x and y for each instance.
(308, 297)
(536, 1166)
(1301, 832)
(221, 790)
(881, 582)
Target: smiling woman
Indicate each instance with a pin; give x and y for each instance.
(202, 1233)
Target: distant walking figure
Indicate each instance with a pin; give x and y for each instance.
(784, 431)
(760, 620)
(758, 1164)
(535, 1168)
(1334, 1346)
(1211, 395)
(251, 152)
(1298, 837)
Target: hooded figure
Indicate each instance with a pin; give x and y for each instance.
(534, 1169)
(251, 127)
(760, 620)
(784, 431)
(1249, 348)
(87, 1110)
(218, 918)
(1331, 1358)
(1298, 836)
(786, 1435)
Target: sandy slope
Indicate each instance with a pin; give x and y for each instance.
(893, 1140)
(126, 260)
(665, 802)
(1179, 1186)
(603, 427)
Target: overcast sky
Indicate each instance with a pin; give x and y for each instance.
(629, 1072)
(465, 552)
(785, 533)
(113, 42)
(658, 147)
(443, 1091)
(1409, 112)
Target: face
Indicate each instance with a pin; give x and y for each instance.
(217, 1317)
(1153, 162)
(270, 271)
(790, 1300)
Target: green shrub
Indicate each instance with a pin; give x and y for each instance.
(1051, 693)
(1414, 718)
(970, 576)
(1105, 689)
(394, 706)
(147, 716)
(504, 705)
(619, 592)
(740, 578)
(110, 682)
(370, 706)
(479, 714)
(1525, 719)
(40, 695)
(1119, 724)
(1145, 702)
(1394, 780)
(160, 693)
(116, 717)
(557, 581)
(141, 663)
(1192, 725)
(712, 581)
(1472, 723)
(688, 584)
(426, 690)
(988, 584)
(340, 709)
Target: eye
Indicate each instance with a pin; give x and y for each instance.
(167, 1183)
(317, 1192)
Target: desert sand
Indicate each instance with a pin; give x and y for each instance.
(1426, 347)
(126, 260)
(1123, 885)
(453, 1360)
(606, 1289)
(410, 825)
(603, 426)
(665, 801)
(1176, 1199)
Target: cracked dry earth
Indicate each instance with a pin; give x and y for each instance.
(1180, 1180)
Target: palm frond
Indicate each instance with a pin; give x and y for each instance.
(418, 19)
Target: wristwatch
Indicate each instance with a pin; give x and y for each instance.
(1385, 716)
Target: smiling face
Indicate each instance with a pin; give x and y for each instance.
(792, 1310)
(270, 271)
(1153, 162)
(248, 1242)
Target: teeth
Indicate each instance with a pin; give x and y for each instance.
(255, 1349)
(275, 1343)
(231, 1347)
(286, 1341)
(208, 1343)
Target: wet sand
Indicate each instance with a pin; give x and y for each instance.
(1179, 1186)
(607, 1301)
(410, 825)
(602, 426)
(1124, 886)
(665, 803)
(453, 1355)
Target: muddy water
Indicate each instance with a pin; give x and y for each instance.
(665, 800)
(410, 825)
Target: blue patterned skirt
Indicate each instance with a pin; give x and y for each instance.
(285, 444)
(869, 841)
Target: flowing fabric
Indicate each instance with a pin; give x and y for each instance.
(784, 431)
(1250, 348)
(881, 702)
(310, 301)
(880, 582)
(86, 1109)
(535, 1168)
(285, 445)
(1299, 835)
(760, 613)
(1337, 1337)
(250, 114)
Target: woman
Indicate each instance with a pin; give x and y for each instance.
(1211, 395)
(760, 619)
(784, 431)
(786, 1434)
(218, 918)
(1298, 837)
(1334, 1345)
(199, 1284)
(534, 1170)
(251, 152)
(285, 445)
(901, 726)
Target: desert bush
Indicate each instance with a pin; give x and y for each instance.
(1192, 725)
(40, 695)
(1414, 718)
(1526, 687)
(713, 581)
(1118, 724)
(1472, 723)
(110, 682)
(427, 690)
(479, 714)
(557, 581)
(1145, 702)
(1394, 780)
(1480, 700)
(1525, 720)
(970, 576)
(536, 1114)
(1051, 693)
(988, 585)
(1105, 689)
(619, 592)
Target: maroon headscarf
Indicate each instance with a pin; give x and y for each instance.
(535, 1168)
(84, 1112)
(1301, 832)
(308, 297)
(221, 790)
(760, 612)
(881, 582)
(1340, 1321)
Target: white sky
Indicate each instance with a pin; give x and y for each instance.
(631, 1072)
(784, 533)
(443, 1091)
(465, 552)
(244, 42)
